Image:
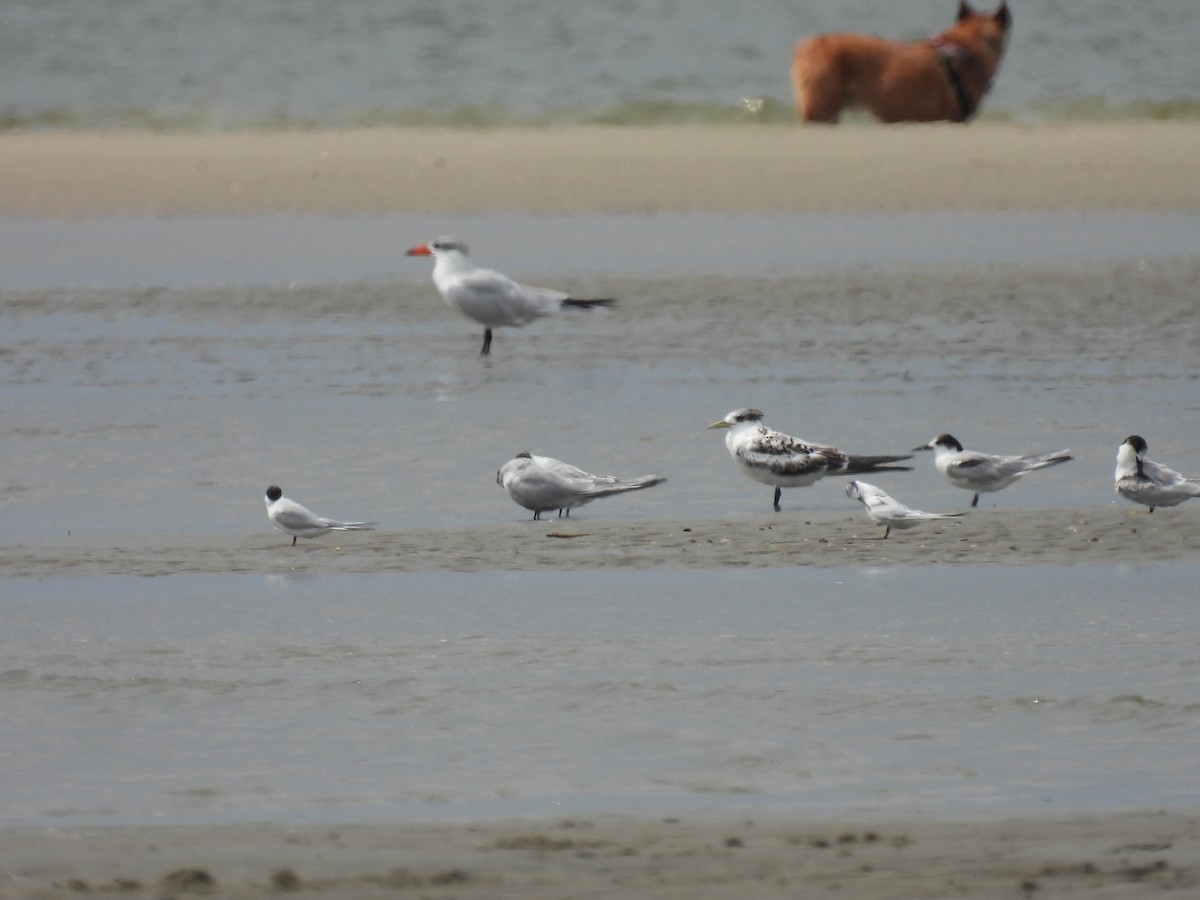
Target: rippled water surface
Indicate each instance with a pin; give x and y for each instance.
(952, 691)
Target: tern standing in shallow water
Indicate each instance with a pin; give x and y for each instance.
(1147, 482)
(491, 299)
(543, 483)
(982, 473)
(299, 522)
(780, 460)
(884, 509)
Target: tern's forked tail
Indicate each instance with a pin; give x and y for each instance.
(589, 304)
(856, 465)
(353, 526)
(1042, 460)
(626, 484)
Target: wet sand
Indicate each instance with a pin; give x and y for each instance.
(1023, 536)
(1121, 165)
(1113, 856)
(1143, 166)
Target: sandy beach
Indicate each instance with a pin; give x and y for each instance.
(1113, 856)
(1142, 166)
(1136, 165)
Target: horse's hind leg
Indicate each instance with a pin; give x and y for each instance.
(820, 92)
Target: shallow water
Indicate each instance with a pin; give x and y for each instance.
(972, 692)
(125, 252)
(175, 62)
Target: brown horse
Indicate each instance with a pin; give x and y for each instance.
(943, 78)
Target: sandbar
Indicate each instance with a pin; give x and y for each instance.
(1135, 165)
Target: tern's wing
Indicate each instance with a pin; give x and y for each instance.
(782, 452)
(882, 503)
(607, 485)
(1163, 474)
(903, 513)
(536, 487)
(293, 516)
(983, 467)
(615, 484)
(884, 508)
(567, 471)
(495, 299)
(787, 443)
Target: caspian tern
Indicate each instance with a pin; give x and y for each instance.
(491, 299)
(780, 460)
(1149, 483)
(982, 473)
(884, 509)
(299, 522)
(542, 483)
